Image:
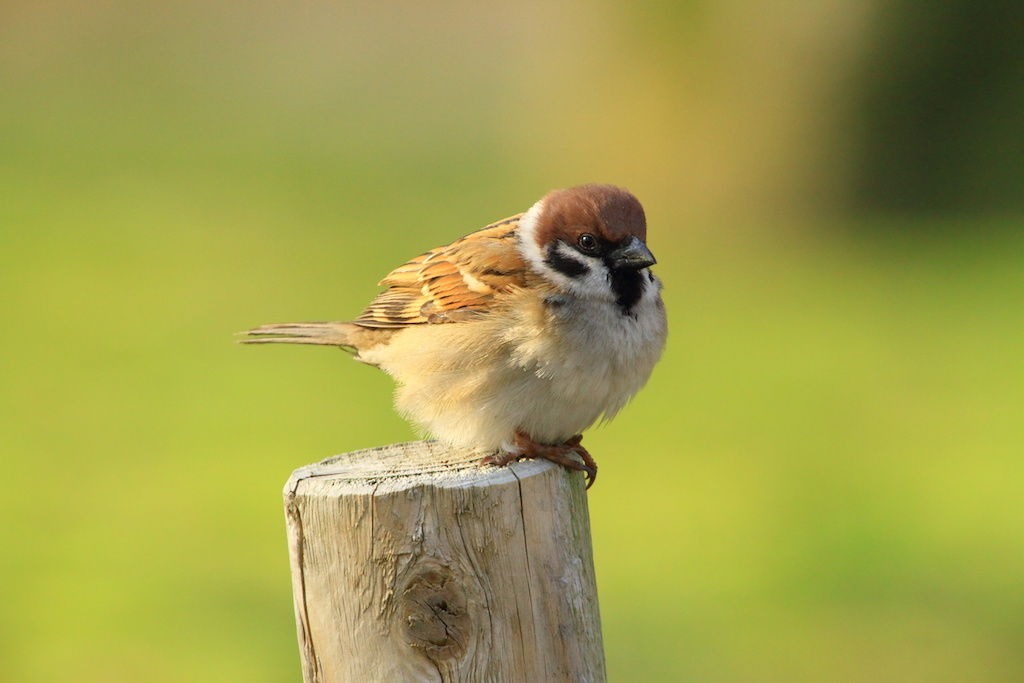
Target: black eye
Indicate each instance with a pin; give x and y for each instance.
(587, 242)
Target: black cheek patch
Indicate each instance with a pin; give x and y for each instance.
(563, 264)
(628, 286)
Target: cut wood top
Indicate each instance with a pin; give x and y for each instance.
(405, 465)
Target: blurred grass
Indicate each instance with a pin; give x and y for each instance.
(829, 482)
(820, 483)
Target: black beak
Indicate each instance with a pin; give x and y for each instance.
(631, 255)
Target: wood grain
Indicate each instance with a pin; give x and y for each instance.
(414, 563)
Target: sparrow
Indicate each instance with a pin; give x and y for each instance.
(514, 339)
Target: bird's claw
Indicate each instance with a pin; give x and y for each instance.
(526, 447)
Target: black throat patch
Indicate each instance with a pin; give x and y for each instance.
(628, 286)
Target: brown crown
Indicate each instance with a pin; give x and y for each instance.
(606, 211)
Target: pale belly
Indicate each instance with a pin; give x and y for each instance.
(475, 384)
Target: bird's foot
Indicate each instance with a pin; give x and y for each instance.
(526, 447)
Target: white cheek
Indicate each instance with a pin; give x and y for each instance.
(595, 283)
(527, 235)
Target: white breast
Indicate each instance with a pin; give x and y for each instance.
(550, 368)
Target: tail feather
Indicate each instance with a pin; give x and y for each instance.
(325, 334)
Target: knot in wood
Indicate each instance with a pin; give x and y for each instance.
(434, 609)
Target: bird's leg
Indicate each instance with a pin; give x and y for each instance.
(526, 447)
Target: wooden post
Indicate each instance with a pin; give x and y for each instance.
(414, 563)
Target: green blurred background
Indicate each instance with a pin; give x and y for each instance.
(823, 480)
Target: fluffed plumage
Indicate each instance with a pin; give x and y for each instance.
(517, 337)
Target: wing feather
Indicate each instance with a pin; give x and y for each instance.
(450, 283)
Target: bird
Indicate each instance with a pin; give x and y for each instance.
(514, 339)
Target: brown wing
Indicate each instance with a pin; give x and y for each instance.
(450, 283)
